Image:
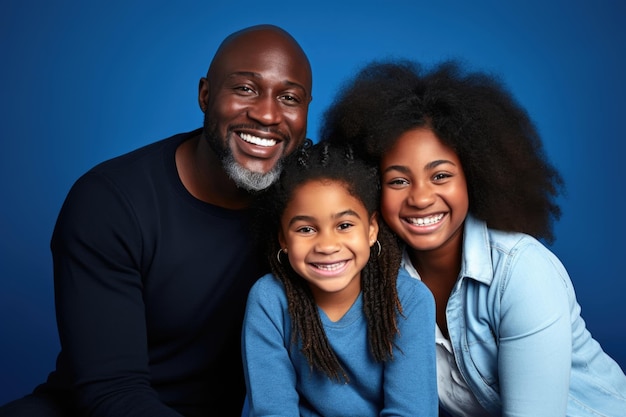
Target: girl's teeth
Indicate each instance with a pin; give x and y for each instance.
(426, 221)
(329, 267)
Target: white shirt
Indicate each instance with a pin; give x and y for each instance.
(454, 394)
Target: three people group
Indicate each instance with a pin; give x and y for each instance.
(398, 267)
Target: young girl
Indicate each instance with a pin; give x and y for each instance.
(334, 330)
(467, 187)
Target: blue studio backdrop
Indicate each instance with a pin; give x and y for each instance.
(84, 81)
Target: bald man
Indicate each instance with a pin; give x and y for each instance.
(152, 251)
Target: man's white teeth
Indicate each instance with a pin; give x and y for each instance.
(426, 221)
(330, 267)
(255, 140)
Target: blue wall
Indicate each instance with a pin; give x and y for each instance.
(82, 83)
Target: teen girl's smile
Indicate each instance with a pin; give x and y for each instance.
(424, 191)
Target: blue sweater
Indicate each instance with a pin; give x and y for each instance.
(280, 382)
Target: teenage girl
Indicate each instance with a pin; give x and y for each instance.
(468, 188)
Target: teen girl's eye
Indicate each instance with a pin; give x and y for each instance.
(441, 176)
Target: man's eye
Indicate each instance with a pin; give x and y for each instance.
(244, 89)
(289, 99)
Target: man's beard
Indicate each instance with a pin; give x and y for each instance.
(244, 178)
(250, 180)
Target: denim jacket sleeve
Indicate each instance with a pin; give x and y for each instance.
(518, 337)
(534, 332)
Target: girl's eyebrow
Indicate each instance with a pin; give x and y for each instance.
(300, 218)
(435, 164)
(401, 168)
(303, 218)
(348, 212)
(431, 165)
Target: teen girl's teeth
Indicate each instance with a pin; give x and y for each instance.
(330, 267)
(255, 140)
(425, 221)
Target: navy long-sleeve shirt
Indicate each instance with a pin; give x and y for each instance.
(150, 287)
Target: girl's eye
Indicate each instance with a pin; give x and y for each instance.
(397, 182)
(344, 226)
(305, 229)
(441, 176)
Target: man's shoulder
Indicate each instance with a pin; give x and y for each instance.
(136, 174)
(146, 154)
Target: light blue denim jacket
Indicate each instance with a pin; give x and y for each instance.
(518, 337)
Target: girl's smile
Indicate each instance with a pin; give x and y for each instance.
(327, 234)
(424, 192)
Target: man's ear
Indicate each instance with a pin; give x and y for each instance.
(203, 94)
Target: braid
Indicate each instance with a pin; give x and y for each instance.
(380, 295)
(378, 278)
(306, 322)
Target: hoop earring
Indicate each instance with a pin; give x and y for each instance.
(278, 255)
(380, 248)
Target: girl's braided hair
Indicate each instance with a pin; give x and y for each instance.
(381, 305)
